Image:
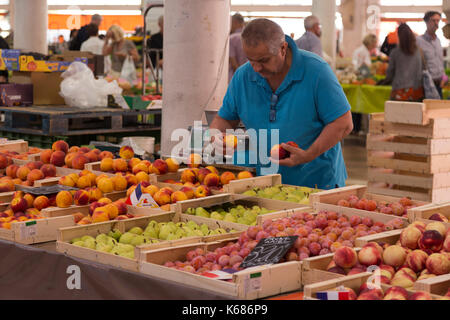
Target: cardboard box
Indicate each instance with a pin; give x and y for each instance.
(28, 63)
(14, 94)
(9, 59)
(95, 62)
(46, 86)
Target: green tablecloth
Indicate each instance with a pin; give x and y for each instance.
(370, 99)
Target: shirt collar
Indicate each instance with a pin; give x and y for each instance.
(428, 37)
(238, 31)
(296, 72)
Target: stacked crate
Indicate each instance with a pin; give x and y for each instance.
(408, 150)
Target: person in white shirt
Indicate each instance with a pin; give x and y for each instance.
(93, 44)
(361, 56)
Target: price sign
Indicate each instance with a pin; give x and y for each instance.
(269, 251)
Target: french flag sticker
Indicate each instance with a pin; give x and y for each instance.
(140, 199)
(333, 295)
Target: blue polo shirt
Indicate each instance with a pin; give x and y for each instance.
(309, 99)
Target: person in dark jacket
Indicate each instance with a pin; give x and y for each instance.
(83, 34)
(3, 73)
(156, 42)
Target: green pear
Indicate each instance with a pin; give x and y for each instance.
(250, 216)
(90, 243)
(150, 233)
(172, 226)
(116, 234)
(190, 211)
(75, 240)
(198, 233)
(279, 196)
(229, 218)
(127, 237)
(173, 236)
(220, 231)
(263, 211)
(78, 243)
(192, 225)
(101, 238)
(250, 193)
(181, 233)
(201, 212)
(204, 228)
(104, 247)
(137, 240)
(180, 224)
(83, 238)
(164, 232)
(111, 241)
(211, 233)
(243, 221)
(216, 215)
(136, 230)
(154, 241)
(127, 254)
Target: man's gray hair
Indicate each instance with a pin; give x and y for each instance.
(238, 18)
(96, 17)
(310, 22)
(264, 31)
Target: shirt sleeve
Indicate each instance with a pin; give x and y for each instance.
(229, 110)
(233, 52)
(330, 99)
(316, 47)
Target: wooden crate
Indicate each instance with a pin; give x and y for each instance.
(240, 186)
(423, 213)
(65, 235)
(279, 206)
(327, 200)
(415, 112)
(249, 284)
(36, 231)
(389, 237)
(19, 146)
(353, 282)
(437, 285)
(142, 222)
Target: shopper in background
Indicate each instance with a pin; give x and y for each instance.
(82, 35)
(362, 55)
(390, 42)
(237, 54)
(156, 42)
(432, 50)
(405, 68)
(119, 48)
(93, 44)
(295, 92)
(310, 41)
(3, 73)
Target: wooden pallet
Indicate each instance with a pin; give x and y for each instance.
(415, 112)
(327, 200)
(73, 121)
(249, 284)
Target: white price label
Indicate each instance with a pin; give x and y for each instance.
(28, 230)
(253, 282)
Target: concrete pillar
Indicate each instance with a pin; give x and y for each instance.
(360, 17)
(446, 8)
(30, 25)
(325, 10)
(195, 63)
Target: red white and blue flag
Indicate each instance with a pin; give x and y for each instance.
(140, 199)
(333, 295)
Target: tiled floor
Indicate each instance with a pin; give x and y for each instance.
(355, 156)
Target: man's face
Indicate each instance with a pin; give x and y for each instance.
(433, 23)
(263, 61)
(318, 29)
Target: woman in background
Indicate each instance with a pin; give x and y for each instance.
(405, 69)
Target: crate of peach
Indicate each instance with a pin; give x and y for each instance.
(402, 257)
(17, 151)
(270, 187)
(362, 287)
(430, 213)
(23, 221)
(356, 199)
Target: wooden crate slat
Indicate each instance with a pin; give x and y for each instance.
(19, 146)
(416, 113)
(437, 285)
(425, 212)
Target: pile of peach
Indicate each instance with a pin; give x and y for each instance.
(166, 196)
(27, 174)
(103, 210)
(136, 166)
(7, 184)
(317, 235)
(7, 156)
(74, 157)
(418, 255)
(208, 177)
(23, 207)
(82, 197)
(367, 292)
(87, 179)
(397, 208)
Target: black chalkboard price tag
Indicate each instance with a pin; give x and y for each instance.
(268, 251)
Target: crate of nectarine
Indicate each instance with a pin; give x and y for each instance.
(356, 199)
(270, 187)
(191, 265)
(430, 213)
(418, 252)
(363, 287)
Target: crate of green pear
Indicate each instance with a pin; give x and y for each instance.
(232, 209)
(270, 187)
(248, 284)
(127, 238)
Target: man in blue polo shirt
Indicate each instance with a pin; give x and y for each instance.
(297, 93)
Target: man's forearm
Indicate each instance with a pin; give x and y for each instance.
(222, 124)
(331, 135)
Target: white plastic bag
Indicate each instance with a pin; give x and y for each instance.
(128, 70)
(80, 88)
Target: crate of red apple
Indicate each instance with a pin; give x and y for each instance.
(420, 251)
(357, 199)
